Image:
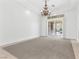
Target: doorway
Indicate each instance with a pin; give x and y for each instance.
(56, 26)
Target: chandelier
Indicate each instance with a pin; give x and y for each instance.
(45, 11)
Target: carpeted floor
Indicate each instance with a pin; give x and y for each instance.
(42, 48)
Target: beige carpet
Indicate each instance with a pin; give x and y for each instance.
(42, 48)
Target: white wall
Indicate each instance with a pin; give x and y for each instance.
(71, 24)
(78, 22)
(16, 22)
(43, 26)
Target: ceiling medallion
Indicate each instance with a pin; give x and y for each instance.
(45, 11)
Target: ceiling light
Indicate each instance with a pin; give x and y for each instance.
(45, 10)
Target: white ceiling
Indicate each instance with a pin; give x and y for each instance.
(37, 5)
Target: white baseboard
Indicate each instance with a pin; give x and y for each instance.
(77, 40)
(25, 39)
(18, 41)
(71, 38)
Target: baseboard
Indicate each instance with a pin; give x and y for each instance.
(78, 40)
(27, 38)
(70, 38)
(19, 41)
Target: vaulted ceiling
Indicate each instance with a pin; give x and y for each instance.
(37, 5)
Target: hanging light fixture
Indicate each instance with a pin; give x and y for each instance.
(45, 11)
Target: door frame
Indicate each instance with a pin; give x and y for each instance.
(57, 16)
